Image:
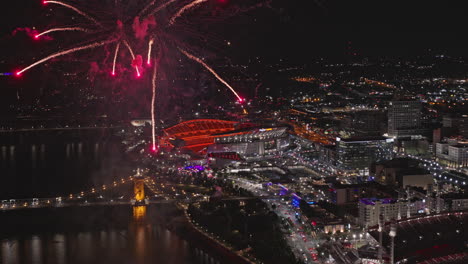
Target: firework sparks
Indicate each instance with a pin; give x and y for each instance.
(162, 7)
(146, 8)
(153, 101)
(115, 58)
(65, 52)
(185, 9)
(133, 57)
(147, 33)
(74, 9)
(60, 29)
(192, 57)
(150, 45)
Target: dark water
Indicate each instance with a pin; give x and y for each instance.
(56, 163)
(119, 234)
(50, 164)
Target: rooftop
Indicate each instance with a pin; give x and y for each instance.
(373, 201)
(362, 139)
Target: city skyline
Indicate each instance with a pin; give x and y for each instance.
(233, 132)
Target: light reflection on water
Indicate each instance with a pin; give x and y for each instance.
(50, 166)
(12, 153)
(140, 243)
(47, 165)
(36, 250)
(9, 251)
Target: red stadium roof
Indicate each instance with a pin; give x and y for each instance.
(199, 133)
(200, 127)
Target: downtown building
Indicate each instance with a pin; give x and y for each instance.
(366, 123)
(404, 119)
(453, 153)
(354, 156)
(371, 208)
(458, 123)
(401, 173)
(456, 201)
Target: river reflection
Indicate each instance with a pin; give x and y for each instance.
(55, 164)
(140, 243)
(36, 165)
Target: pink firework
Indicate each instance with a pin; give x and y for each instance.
(147, 32)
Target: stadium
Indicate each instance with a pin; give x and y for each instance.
(215, 137)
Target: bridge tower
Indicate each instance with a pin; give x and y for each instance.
(139, 189)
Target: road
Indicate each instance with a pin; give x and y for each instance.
(437, 169)
(303, 244)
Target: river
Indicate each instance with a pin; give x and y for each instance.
(50, 164)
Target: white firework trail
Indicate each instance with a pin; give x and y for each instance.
(115, 58)
(153, 102)
(74, 9)
(65, 52)
(184, 9)
(150, 46)
(162, 7)
(61, 29)
(192, 57)
(133, 57)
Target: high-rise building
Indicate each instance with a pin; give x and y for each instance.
(402, 172)
(459, 123)
(369, 123)
(404, 118)
(355, 155)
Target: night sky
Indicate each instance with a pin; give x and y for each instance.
(373, 27)
(303, 29)
(294, 31)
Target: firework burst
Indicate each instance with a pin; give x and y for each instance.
(137, 27)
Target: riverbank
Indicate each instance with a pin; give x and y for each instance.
(184, 227)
